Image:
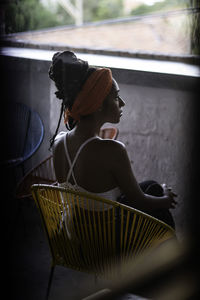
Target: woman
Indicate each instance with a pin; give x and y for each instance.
(82, 160)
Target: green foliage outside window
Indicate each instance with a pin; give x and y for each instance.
(159, 6)
(195, 28)
(23, 15)
(102, 9)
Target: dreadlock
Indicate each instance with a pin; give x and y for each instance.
(58, 125)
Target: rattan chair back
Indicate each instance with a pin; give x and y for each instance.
(91, 234)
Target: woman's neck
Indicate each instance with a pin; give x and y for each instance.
(87, 128)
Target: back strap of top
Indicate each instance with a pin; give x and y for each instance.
(71, 164)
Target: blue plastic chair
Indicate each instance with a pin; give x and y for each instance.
(23, 134)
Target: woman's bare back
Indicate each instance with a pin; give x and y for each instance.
(92, 169)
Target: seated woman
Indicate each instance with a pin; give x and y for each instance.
(82, 160)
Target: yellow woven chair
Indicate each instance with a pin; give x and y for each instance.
(94, 241)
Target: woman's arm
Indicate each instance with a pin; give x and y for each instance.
(123, 174)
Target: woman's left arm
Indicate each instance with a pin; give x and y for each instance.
(125, 179)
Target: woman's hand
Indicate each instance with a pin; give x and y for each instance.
(171, 202)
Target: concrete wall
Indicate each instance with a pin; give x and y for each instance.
(156, 125)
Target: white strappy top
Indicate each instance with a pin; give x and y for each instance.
(112, 194)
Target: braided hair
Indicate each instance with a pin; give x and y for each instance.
(69, 75)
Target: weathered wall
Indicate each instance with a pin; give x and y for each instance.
(156, 129)
(156, 125)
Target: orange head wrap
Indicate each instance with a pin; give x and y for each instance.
(92, 94)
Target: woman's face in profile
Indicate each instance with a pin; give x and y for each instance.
(113, 105)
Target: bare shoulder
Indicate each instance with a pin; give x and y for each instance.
(58, 143)
(114, 144)
(58, 153)
(115, 149)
